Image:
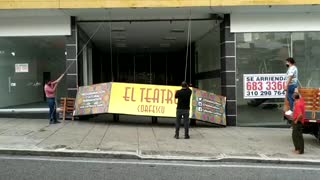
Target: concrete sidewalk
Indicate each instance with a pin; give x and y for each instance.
(149, 141)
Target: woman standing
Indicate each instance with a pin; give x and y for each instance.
(50, 91)
(292, 83)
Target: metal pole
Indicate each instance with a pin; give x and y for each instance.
(110, 35)
(190, 50)
(150, 68)
(167, 68)
(134, 68)
(118, 73)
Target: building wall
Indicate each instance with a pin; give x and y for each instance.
(42, 4)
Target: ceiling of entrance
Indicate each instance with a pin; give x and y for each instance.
(146, 36)
(159, 33)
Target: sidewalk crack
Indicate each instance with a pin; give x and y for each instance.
(104, 135)
(204, 139)
(86, 136)
(138, 137)
(54, 132)
(155, 137)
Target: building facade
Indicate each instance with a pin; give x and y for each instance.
(211, 43)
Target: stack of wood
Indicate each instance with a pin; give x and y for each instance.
(67, 107)
(311, 97)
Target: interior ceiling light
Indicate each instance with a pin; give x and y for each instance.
(120, 37)
(118, 29)
(170, 38)
(121, 45)
(177, 30)
(165, 45)
(120, 40)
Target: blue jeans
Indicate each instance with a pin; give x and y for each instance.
(290, 92)
(52, 111)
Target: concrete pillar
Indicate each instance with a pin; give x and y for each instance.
(71, 59)
(228, 70)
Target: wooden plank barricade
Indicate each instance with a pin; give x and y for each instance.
(311, 97)
(67, 107)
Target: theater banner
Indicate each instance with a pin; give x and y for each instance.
(147, 100)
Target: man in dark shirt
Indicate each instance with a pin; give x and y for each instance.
(183, 108)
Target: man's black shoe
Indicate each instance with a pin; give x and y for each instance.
(57, 122)
(176, 136)
(187, 137)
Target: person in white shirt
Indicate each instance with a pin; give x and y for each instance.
(292, 83)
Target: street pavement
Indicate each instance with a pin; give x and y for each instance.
(52, 168)
(151, 141)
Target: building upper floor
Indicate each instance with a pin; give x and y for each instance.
(73, 4)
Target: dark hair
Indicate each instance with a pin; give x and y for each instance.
(184, 84)
(291, 60)
(296, 96)
(48, 82)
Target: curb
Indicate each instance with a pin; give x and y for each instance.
(138, 156)
(69, 153)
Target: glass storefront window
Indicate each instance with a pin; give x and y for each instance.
(260, 53)
(25, 64)
(208, 51)
(306, 52)
(210, 85)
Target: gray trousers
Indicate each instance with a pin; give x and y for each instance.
(297, 137)
(182, 113)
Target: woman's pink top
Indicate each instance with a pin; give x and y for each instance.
(49, 90)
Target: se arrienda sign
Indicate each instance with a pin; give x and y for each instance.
(264, 86)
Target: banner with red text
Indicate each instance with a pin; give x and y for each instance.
(147, 100)
(143, 99)
(264, 86)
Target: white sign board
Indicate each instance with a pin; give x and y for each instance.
(264, 86)
(275, 22)
(22, 68)
(35, 26)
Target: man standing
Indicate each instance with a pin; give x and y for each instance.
(183, 109)
(292, 83)
(298, 120)
(50, 91)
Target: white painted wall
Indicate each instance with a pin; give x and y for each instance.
(275, 22)
(35, 26)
